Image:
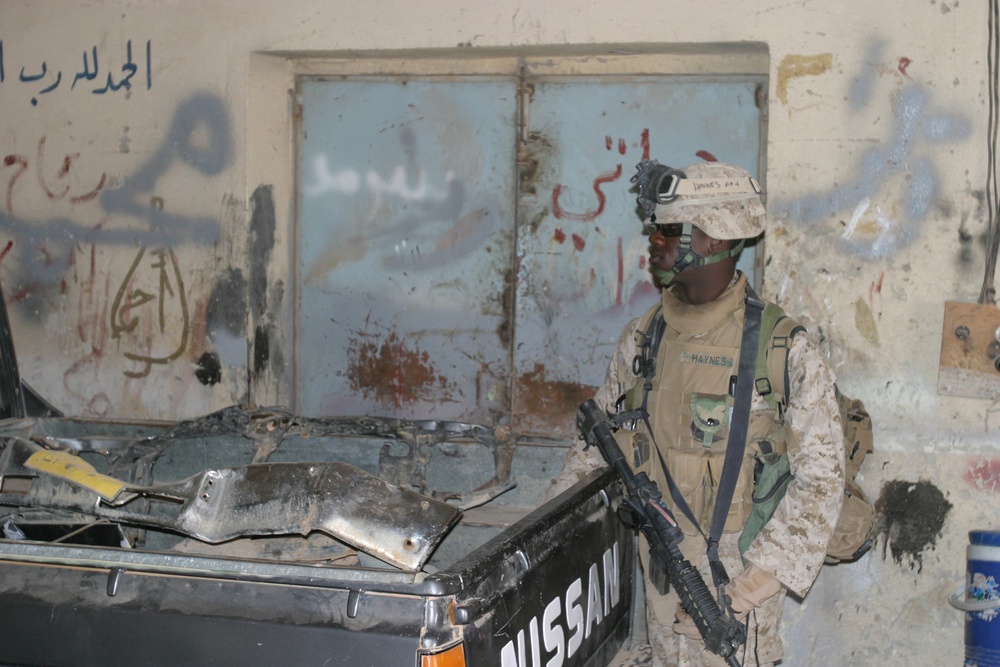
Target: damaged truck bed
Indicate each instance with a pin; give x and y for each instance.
(253, 536)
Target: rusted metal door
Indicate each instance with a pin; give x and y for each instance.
(582, 274)
(469, 248)
(405, 245)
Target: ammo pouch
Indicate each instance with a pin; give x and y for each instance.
(658, 577)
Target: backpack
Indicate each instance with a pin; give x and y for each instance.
(855, 530)
(854, 533)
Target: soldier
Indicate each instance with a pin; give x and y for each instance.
(699, 218)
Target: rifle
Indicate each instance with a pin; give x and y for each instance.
(722, 634)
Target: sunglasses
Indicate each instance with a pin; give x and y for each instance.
(666, 229)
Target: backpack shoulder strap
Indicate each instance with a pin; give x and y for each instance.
(771, 378)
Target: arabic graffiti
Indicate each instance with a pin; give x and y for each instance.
(872, 233)
(147, 314)
(553, 292)
(114, 81)
(22, 163)
(200, 137)
(606, 177)
(151, 307)
(423, 201)
(92, 331)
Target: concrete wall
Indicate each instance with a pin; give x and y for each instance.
(181, 184)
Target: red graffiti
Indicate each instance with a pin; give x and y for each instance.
(22, 163)
(875, 288)
(578, 242)
(6, 249)
(62, 174)
(559, 236)
(706, 156)
(607, 177)
(79, 199)
(983, 474)
(609, 142)
(904, 63)
(66, 165)
(24, 293)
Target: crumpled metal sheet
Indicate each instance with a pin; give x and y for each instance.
(391, 523)
(396, 525)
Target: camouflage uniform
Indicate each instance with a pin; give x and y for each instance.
(792, 545)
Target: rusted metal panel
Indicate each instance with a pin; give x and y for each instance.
(582, 258)
(405, 239)
(414, 192)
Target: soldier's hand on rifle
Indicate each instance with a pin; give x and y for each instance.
(684, 624)
(747, 591)
(750, 589)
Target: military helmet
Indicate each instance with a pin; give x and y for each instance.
(720, 199)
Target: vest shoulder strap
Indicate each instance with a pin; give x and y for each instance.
(771, 378)
(647, 323)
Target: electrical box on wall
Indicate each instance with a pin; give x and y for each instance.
(970, 351)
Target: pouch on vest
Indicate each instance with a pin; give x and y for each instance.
(709, 418)
(636, 448)
(772, 480)
(854, 533)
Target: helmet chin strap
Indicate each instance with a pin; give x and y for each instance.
(691, 257)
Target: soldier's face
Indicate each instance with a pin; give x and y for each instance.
(664, 245)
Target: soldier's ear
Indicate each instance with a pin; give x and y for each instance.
(718, 245)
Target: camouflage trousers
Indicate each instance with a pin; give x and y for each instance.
(669, 649)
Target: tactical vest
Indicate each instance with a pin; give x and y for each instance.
(690, 405)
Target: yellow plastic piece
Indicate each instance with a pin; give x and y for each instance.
(74, 469)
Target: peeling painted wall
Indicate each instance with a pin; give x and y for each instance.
(147, 198)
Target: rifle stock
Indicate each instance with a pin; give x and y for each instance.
(721, 633)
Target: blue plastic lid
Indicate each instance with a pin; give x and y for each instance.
(986, 538)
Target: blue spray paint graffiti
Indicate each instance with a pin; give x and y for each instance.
(210, 160)
(203, 115)
(915, 122)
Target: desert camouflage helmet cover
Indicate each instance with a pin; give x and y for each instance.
(721, 215)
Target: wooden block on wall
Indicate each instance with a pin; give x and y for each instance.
(970, 351)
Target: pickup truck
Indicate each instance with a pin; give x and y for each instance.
(253, 536)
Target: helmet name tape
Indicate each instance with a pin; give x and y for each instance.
(702, 186)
